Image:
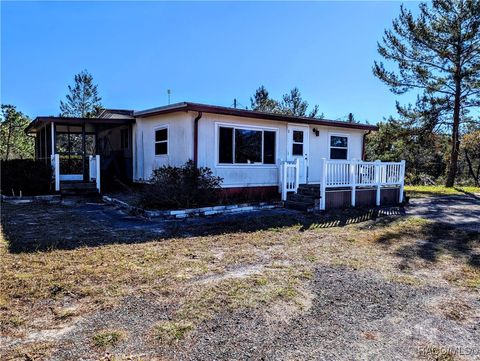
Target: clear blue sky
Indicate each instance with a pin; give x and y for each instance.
(204, 52)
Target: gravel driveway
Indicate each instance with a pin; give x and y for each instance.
(457, 211)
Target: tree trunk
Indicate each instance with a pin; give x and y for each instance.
(452, 167)
(470, 169)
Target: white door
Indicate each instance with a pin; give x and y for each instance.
(297, 148)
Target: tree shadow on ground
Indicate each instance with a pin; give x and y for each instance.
(431, 240)
(48, 227)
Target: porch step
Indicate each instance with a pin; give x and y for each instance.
(78, 185)
(78, 189)
(309, 199)
(299, 206)
(304, 199)
(312, 190)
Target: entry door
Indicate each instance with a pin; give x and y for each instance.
(298, 148)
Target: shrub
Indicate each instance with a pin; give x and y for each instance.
(32, 177)
(180, 187)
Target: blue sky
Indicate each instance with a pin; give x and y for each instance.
(209, 52)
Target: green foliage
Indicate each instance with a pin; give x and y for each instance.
(32, 177)
(424, 152)
(292, 104)
(83, 100)
(436, 55)
(14, 143)
(181, 187)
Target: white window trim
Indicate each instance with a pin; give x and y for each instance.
(167, 127)
(345, 135)
(245, 127)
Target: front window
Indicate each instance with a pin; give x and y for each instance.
(161, 141)
(338, 147)
(246, 146)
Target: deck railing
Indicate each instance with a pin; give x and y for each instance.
(353, 174)
(346, 174)
(289, 177)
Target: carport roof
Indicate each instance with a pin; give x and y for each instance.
(39, 122)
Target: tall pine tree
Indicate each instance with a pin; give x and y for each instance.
(82, 99)
(437, 54)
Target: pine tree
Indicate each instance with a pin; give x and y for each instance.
(82, 99)
(292, 104)
(14, 143)
(437, 54)
(262, 102)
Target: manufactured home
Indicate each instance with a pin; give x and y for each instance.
(299, 158)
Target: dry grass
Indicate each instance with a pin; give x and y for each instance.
(204, 275)
(107, 338)
(430, 191)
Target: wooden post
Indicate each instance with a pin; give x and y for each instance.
(353, 180)
(323, 184)
(377, 181)
(284, 181)
(402, 180)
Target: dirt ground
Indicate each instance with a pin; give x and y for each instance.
(85, 281)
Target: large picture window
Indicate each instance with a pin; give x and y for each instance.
(161, 141)
(338, 147)
(246, 146)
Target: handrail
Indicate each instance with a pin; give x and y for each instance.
(289, 177)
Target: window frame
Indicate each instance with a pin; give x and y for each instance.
(161, 127)
(235, 126)
(330, 147)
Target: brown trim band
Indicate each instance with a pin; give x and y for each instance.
(249, 114)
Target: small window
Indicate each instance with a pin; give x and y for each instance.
(124, 141)
(161, 141)
(338, 147)
(297, 144)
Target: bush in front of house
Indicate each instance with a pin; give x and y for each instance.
(32, 177)
(180, 187)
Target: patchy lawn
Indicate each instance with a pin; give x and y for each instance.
(431, 191)
(272, 285)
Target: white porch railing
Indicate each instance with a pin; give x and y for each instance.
(94, 170)
(289, 177)
(353, 174)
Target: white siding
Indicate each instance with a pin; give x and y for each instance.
(320, 147)
(238, 175)
(181, 134)
(180, 142)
